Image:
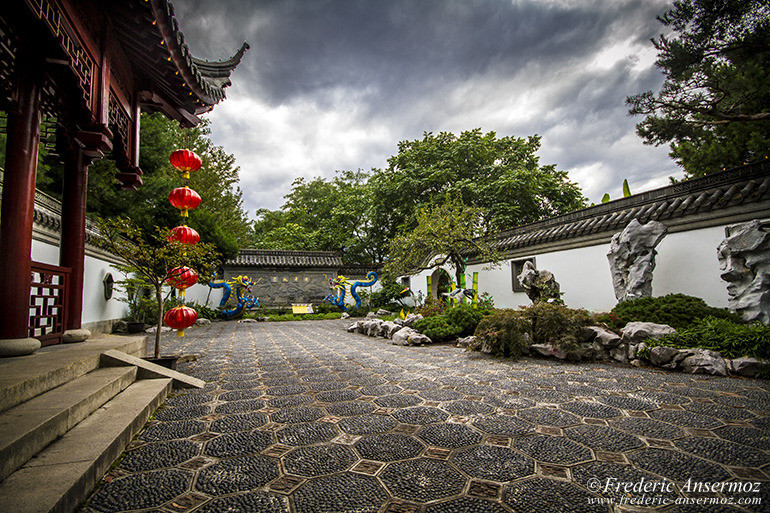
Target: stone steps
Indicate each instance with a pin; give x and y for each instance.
(60, 477)
(67, 413)
(29, 427)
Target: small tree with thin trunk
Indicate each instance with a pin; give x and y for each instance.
(450, 231)
(152, 258)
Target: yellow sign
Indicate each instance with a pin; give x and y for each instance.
(302, 308)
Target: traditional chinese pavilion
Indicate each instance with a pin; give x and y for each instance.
(92, 66)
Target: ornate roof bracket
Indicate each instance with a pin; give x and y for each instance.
(154, 102)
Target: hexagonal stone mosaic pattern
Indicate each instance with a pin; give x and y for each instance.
(304, 417)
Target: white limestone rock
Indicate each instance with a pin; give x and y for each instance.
(632, 258)
(705, 361)
(744, 259)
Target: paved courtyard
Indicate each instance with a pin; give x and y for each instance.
(304, 417)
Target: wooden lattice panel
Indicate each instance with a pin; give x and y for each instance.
(46, 302)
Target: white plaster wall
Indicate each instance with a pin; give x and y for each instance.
(686, 263)
(95, 307)
(199, 293)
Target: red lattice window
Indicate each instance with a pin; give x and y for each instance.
(46, 302)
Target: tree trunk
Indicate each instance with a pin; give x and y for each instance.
(159, 296)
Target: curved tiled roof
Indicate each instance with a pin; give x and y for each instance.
(281, 258)
(709, 196)
(155, 44)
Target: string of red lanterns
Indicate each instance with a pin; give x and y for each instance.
(185, 199)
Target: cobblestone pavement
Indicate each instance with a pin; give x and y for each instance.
(307, 418)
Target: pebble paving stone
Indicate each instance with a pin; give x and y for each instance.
(603, 438)
(540, 494)
(723, 451)
(552, 449)
(304, 417)
(137, 491)
(421, 415)
(503, 425)
(306, 433)
(466, 505)
(255, 501)
(493, 463)
(159, 455)
(341, 492)
(172, 430)
(236, 444)
(422, 480)
(449, 435)
(237, 475)
(677, 466)
(388, 447)
(549, 417)
(367, 424)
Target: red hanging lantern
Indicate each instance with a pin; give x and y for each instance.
(185, 161)
(182, 277)
(179, 318)
(185, 235)
(184, 199)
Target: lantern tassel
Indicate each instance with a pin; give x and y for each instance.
(180, 333)
(183, 213)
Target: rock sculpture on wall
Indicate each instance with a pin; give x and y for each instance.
(539, 285)
(632, 258)
(744, 259)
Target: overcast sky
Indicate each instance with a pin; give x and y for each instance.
(336, 84)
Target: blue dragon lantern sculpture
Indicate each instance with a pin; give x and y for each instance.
(243, 302)
(341, 286)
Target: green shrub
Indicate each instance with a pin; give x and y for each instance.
(556, 324)
(389, 293)
(357, 311)
(465, 317)
(677, 310)
(438, 328)
(325, 307)
(511, 332)
(432, 307)
(505, 333)
(731, 339)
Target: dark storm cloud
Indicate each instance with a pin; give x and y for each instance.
(335, 84)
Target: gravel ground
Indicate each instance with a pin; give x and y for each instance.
(304, 417)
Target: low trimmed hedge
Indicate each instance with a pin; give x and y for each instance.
(677, 310)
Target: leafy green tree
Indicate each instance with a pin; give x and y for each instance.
(449, 231)
(151, 258)
(714, 106)
(321, 215)
(501, 176)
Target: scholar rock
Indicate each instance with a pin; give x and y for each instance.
(540, 285)
(632, 259)
(543, 349)
(744, 259)
(418, 339)
(705, 361)
(661, 355)
(381, 312)
(401, 337)
(748, 367)
(635, 332)
(389, 328)
(601, 335)
(466, 342)
(345, 315)
(202, 321)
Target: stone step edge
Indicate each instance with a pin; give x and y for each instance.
(37, 383)
(63, 475)
(149, 370)
(29, 427)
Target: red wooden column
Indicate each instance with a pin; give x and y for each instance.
(16, 215)
(73, 232)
